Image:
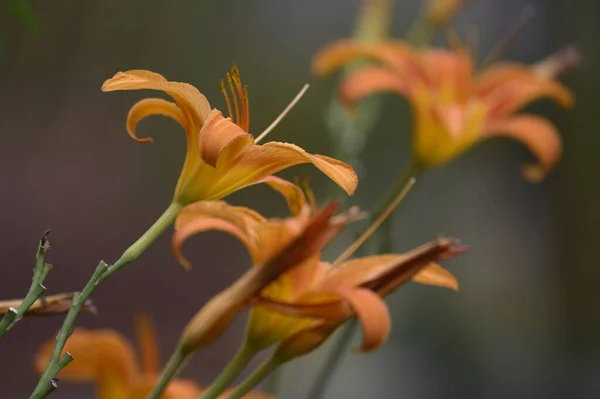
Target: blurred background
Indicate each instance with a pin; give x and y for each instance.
(525, 323)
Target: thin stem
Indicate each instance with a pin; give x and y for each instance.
(36, 289)
(233, 369)
(266, 368)
(142, 244)
(56, 363)
(48, 380)
(343, 340)
(168, 373)
(334, 359)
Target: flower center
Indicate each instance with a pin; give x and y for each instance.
(239, 95)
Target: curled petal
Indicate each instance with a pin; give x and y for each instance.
(372, 314)
(293, 194)
(148, 344)
(392, 53)
(218, 133)
(152, 106)
(192, 103)
(215, 215)
(500, 74)
(103, 357)
(516, 94)
(537, 134)
(434, 274)
(363, 82)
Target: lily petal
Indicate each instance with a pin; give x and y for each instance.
(366, 81)
(152, 106)
(449, 70)
(372, 314)
(216, 215)
(500, 74)
(148, 344)
(256, 162)
(103, 357)
(218, 133)
(359, 271)
(293, 194)
(192, 103)
(514, 95)
(537, 134)
(434, 274)
(391, 53)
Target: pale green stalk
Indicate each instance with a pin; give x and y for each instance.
(262, 372)
(232, 370)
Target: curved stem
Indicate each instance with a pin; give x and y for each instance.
(232, 370)
(170, 370)
(266, 368)
(343, 340)
(334, 359)
(48, 380)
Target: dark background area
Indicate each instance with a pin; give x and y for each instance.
(525, 323)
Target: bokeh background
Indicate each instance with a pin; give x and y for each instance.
(526, 322)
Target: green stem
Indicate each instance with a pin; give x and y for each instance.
(36, 289)
(142, 244)
(414, 169)
(343, 340)
(48, 380)
(334, 359)
(232, 370)
(262, 372)
(168, 373)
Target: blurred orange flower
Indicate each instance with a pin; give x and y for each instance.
(455, 107)
(106, 359)
(221, 156)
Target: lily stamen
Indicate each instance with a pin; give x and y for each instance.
(235, 100)
(224, 91)
(283, 114)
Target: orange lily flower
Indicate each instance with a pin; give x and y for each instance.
(276, 246)
(221, 156)
(107, 359)
(454, 107)
(311, 289)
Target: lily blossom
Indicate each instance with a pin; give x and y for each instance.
(317, 292)
(454, 106)
(107, 359)
(309, 290)
(275, 245)
(221, 156)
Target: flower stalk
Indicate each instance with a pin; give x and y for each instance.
(239, 361)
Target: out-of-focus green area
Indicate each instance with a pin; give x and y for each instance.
(525, 323)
